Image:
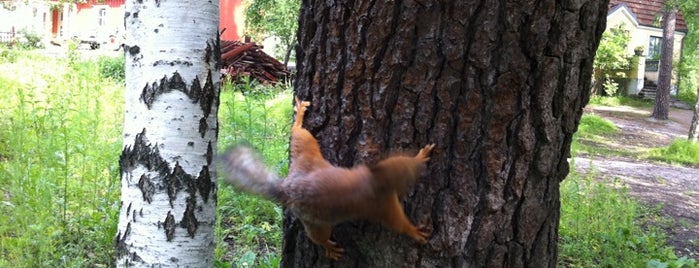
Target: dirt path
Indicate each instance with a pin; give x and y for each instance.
(675, 189)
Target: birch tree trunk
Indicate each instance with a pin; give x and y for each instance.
(694, 127)
(662, 96)
(499, 86)
(168, 193)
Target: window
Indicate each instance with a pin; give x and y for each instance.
(654, 46)
(102, 17)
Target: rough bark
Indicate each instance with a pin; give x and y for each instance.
(662, 96)
(168, 181)
(499, 86)
(694, 127)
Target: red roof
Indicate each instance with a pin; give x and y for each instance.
(90, 3)
(648, 12)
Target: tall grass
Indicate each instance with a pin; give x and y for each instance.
(250, 227)
(60, 126)
(602, 226)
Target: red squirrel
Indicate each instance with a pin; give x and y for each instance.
(322, 195)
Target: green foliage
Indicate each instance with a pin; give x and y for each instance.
(30, 40)
(112, 68)
(612, 59)
(250, 227)
(610, 87)
(679, 151)
(620, 101)
(61, 140)
(689, 64)
(278, 18)
(602, 226)
(8, 55)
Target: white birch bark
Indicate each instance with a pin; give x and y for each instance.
(168, 179)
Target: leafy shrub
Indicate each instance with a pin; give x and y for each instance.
(612, 59)
(30, 40)
(113, 68)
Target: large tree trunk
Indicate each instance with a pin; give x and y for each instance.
(498, 86)
(168, 181)
(662, 96)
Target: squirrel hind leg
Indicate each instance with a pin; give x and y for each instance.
(394, 218)
(320, 234)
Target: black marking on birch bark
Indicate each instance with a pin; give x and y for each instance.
(133, 50)
(172, 63)
(140, 213)
(152, 91)
(121, 241)
(189, 221)
(157, 3)
(203, 126)
(195, 90)
(208, 95)
(175, 82)
(133, 218)
(135, 257)
(147, 188)
(169, 226)
(217, 53)
(128, 209)
(173, 182)
(190, 143)
(209, 153)
(208, 52)
(204, 184)
(144, 154)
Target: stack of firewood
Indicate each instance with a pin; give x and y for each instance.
(247, 59)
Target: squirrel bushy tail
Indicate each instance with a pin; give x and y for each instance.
(245, 169)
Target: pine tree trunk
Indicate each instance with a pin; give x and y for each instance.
(662, 96)
(168, 181)
(498, 86)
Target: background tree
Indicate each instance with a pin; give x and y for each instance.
(689, 65)
(662, 96)
(276, 18)
(694, 126)
(168, 181)
(499, 86)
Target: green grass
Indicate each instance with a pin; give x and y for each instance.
(592, 129)
(679, 151)
(250, 227)
(620, 101)
(602, 226)
(60, 131)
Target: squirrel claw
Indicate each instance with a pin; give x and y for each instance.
(332, 251)
(425, 152)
